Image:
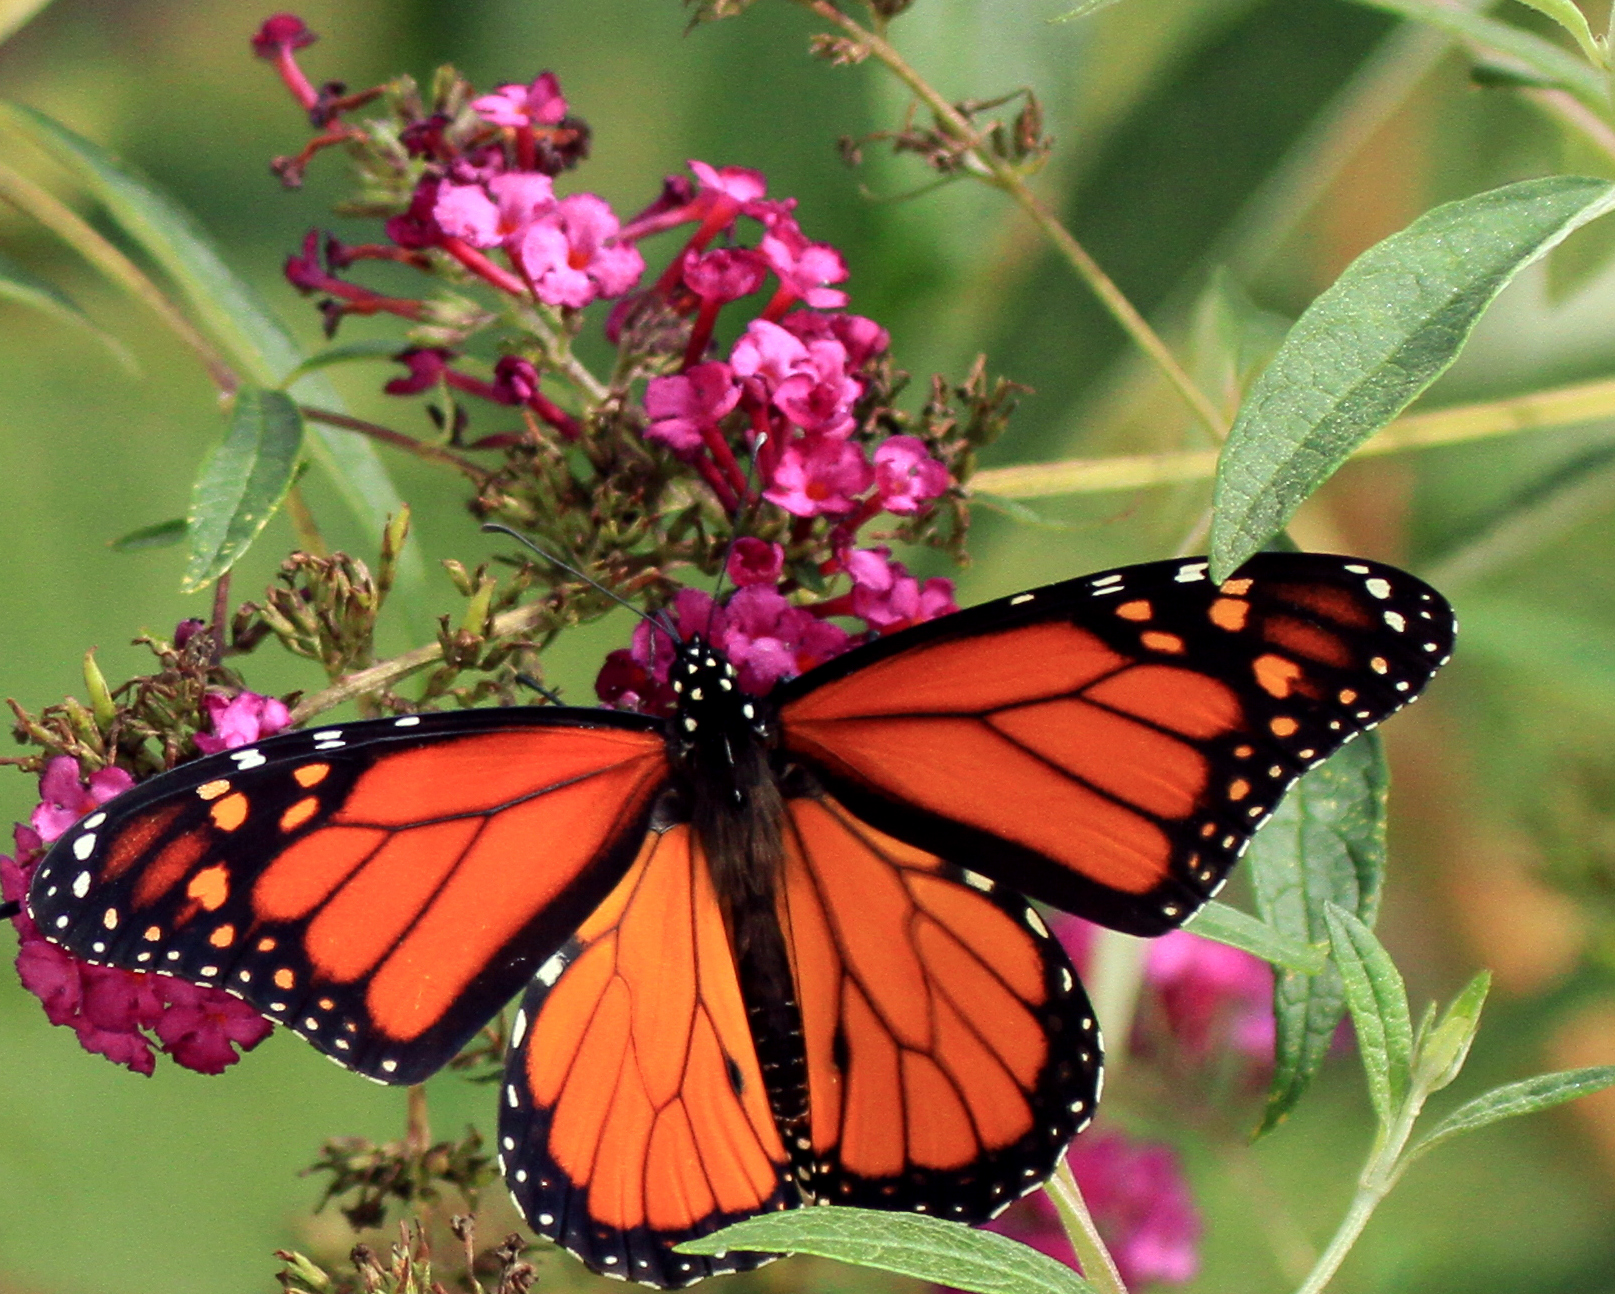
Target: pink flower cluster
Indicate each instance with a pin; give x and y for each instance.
(1140, 1201)
(116, 1013)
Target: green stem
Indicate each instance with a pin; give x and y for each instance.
(72, 229)
(1097, 1265)
(1541, 410)
(1001, 174)
(420, 448)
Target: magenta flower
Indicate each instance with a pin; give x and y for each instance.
(538, 104)
(886, 596)
(1140, 1201)
(65, 799)
(240, 720)
(804, 268)
(768, 639)
(724, 274)
(769, 355)
(517, 199)
(202, 1027)
(822, 476)
(278, 40)
(571, 258)
(736, 184)
(425, 365)
(819, 397)
(417, 227)
(862, 338)
(1212, 994)
(681, 406)
(755, 561)
(906, 476)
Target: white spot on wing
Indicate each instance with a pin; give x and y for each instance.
(551, 970)
(81, 885)
(519, 1031)
(93, 821)
(408, 721)
(1378, 587)
(249, 758)
(84, 846)
(1192, 572)
(1020, 598)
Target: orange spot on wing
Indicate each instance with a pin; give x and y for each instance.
(1306, 640)
(308, 872)
(284, 979)
(1236, 588)
(963, 771)
(223, 937)
(1230, 613)
(310, 774)
(1160, 774)
(267, 944)
(940, 1134)
(299, 813)
(1347, 695)
(1284, 726)
(1238, 789)
(1138, 609)
(475, 774)
(214, 789)
(1157, 641)
(1276, 675)
(210, 887)
(230, 812)
(1171, 697)
(384, 898)
(136, 840)
(971, 674)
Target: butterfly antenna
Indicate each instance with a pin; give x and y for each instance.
(548, 693)
(489, 527)
(723, 569)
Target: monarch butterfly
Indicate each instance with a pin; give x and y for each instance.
(776, 950)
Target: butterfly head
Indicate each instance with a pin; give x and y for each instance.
(711, 705)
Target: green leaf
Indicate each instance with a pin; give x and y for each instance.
(1241, 930)
(1571, 18)
(1379, 1010)
(1084, 10)
(1442, 1050)
(348, 352)
(242, 483)
(1542, 644)
(165, 534)
(1511, 1100)
(911, 1244)
(1324, 844)
(1557, 66)
(233, 312)
(28, 289)
(1372, 342)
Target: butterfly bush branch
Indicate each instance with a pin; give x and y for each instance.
(1097, 1264)
(1001, 159)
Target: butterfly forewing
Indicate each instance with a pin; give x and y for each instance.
(1110, 744)
(382, 887)
(952, 1054)
(635, 1113)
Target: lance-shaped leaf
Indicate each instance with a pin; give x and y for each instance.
(165, 534)
(28, 289)
(242, 483)
(230, 309)
(1361, 353)
(1379, 1010)
(911, 1244)
(1324, 844)
(1510, 1101)
(1242, 931)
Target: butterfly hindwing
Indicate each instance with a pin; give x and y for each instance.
(635, 1114)
(1109, 745)
(951, 1052)
(381, 887)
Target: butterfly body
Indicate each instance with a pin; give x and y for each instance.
(776, 950)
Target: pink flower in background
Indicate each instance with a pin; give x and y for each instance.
(804, 268)
(753, 561)
(240, 720)
(538, 104)
(201, 1027)
(819, 396)
(823, 476)
(682, 405)
(724, 274)
(1212, 994)
(861, 338)
(770, 355)
(768, 639)
(500, 212)
(66, 797)
(906, 476)
(571, 258)
(888, 597)
(1140, 1201)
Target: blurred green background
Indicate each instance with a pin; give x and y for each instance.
(1277, 139)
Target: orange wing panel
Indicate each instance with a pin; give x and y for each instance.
(951, 1116)
(1179, 700)
(960, 769)
(638, 1115)
(966, 676)
(308, 871)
